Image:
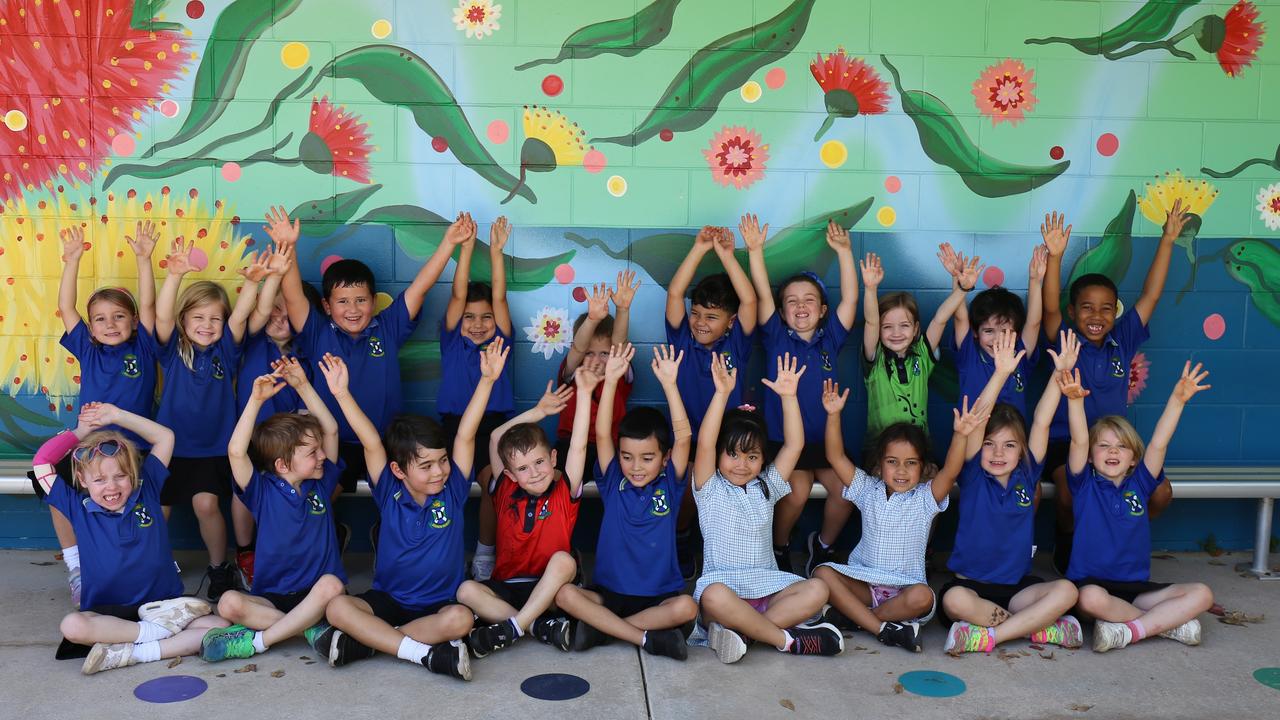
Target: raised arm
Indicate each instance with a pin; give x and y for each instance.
(72, 251)
(1006, 357)
(292, 372)
(253, 273)
(614, 369)
(264, 388)
(833, 402)
(279, 261)
(785, 385)
(284, 233)
(1035, 297)
(1187, 387)
(159, 436)
(337, 378)
(1038, 437)
(430, 272)
(1153, 286)
(969, 421)
(597, 310)
(552, 402)
(748, 303)
(1078, 453)
(463, 231)
(954, 263)
(622, 296)
(680, 281)
(178, 264)
(1055, 241)
(838, 239)
(666, 366)
(498, 234)
(706, 457)
(576, 460)
(753, 236)
(492, 360)
(872, 274)
(961, 285)
(143, 243)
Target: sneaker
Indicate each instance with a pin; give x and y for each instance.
(73, 583)
(174, 615)
(482, 568)
(965, 637)
(343, 531)
(686, 555)
(221, 579)
(902, 634)
(1188, 633)
(819, 639)
(244, 569)
(226, 643)
(1108, 636)
(320, 638)
(449, 658)
(782, 556)
(729, 645)
(586, 637)
(485, 639)
(344, 650)
(1065, 631)
(832, 616)
(108, 657)
(556, 632)
(817, 554)
(667, 643)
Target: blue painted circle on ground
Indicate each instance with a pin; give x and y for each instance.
(931, 683)
(555, 686)
(1268, 676)
(171, 688)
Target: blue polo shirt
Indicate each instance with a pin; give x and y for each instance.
(1113, 531)
(258, 353)
(997, 524)
(371, 358)
(123, 375)
(975, 367)
(636, 552)
(460, 370)
(694, 375)
(1104, 372)
(420, 555)
(199, 402)
(124, 556)
(296, 540)
(818, 355)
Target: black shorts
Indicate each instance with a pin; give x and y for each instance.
(1126, 591)
(997, 593)
(189, 476)
(812, 457)
(1055, 456)
(488, 423)
(68, 650)
(355, 471)
(385, 608)
(513, 592)
(562, 454)
(624, 606)
(285, 602)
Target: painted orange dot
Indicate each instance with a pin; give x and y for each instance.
(75, 379)
(9, 280)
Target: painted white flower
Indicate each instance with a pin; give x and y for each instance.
(1269, 205)
(477, 17)
(550, 331)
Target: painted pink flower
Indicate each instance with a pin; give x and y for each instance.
(1003, 91)
(337, 142)
(1139, 370)
(736, 157)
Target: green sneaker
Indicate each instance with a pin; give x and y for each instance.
(223, 643)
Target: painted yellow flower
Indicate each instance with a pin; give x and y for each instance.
(1196, 196)
(562, 136)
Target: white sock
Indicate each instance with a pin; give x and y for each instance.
(412, 650)
(786, 642)
(71, 556)
(146, 651)
(258, 644)
(149, 631)
(483, 550)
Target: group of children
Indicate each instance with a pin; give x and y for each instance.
(282, 402)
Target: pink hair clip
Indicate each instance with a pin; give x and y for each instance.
(748, 407)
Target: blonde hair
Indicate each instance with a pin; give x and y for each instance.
(904, 300)
(1129, 437)
(127, 459)
(196, 294)
(115, 296)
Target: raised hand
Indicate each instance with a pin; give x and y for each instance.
(1189, 384)
(144, 239)
(598, 302)
(968, 419)
(280, 259)
(723, 377)
(753, 234)
(952, 261)
(970, 269)
(493, 359)
(461, 231)
(265, 387)
(1069, 382)
(788, 380)
(705, 239)
(1005, 352)
(179, 260)
(1039, 264)
(724, 242)
(99, 414)
(585, 380)
(1070, 344)
(335, 374)
(666, 363)
(1055, 236)
(73, 245)
(292, 372)
(1175, 220)
(838, 237)
(624, 291)
(257, 268)
(283, 232)
(619, 360)
(872, 271)
(832, 399)
(554, 399)
(88, 419)
(499, 232)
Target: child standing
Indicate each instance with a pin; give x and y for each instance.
(802, 327)
(742, 592)
(1107, 468)
(131, 611)
(298, 568)
(637, 596)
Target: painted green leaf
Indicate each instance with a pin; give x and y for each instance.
(626, 36)
(178, 166)
(419, 361)
(1271, 162)
(319, 217)
(945, 141)
(1256, 264)
(237, 29)
(1152, 22)
(144, 16)
(722, 67)
(398, 77)
(1112, 256)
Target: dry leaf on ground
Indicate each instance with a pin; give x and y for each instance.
(1080, 708)
(277, 673)
(897, 688)
(787, 704)
(1240, 618)
(175, 662)
(251, 667)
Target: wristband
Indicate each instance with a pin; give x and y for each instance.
(965, 289)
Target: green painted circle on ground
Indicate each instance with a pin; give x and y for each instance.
(1268, 676)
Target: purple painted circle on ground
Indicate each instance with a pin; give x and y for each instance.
(170, 689)
(555, 686)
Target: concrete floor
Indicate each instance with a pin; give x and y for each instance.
(1155, 679)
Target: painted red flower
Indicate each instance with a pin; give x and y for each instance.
(1003, 91)
(73, 76)
(736, 157)
(852, 87)
(1241, 39)
(1139, 369)
(337, 142)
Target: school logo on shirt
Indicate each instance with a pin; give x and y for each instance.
(1135, 505)
(544, 512)
(1017, 381)
(144, 517)
(315, 505)
(218, 372)
(660, 506)
(728, 360)
(439, 516)
(375, 346)
(1117, 367)
(915, 366)
(1021, 495)
(131, 368)
(826, 360)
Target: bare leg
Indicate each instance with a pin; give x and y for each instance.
(87, 628)
(354, 617)
(1157, 611)
(187, 642)
(484, 602)
(788, 509)
(913, 602)
(851, 597)
(670, 613)
(259, 614)
(213, 527)
(796, 603)
(492, 609)
(242, 522)
(588, 607)
(722, 605)
(62, 528)
(835, 510)
(1031, 610)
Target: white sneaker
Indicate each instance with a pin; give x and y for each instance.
(174, 615)
(729, 645)
(482, 567)
(1188, 633)
(108, 657)
(1108, 636)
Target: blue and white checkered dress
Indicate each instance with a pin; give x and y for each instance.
(737, 531)
(895, 530)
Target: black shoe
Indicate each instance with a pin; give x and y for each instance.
(821, 639)
(450, 659)
(221, 579)
(487, 638)
(556, 632)
(903, 635)
(1062, 552)
(667, 643)
(320, 637)
(817, 554)
(343, 532)
(782, 556)
(832, 616)
(686, 555)
(345, 650)
(586, 637)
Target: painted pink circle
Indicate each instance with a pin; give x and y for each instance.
(195, 9)
(439, 144)
(552, 85)
(498, 131)
(993, 276)
(1108, 144)
(1056, 152)
(564, 274)
(231, 171)
(665, 134)
(593, 161)
(1214, 326)
(329, 260)
(580, 294)
(199, 260)
(892, 183)
(168, 108)
(775, 78)
(122, 144)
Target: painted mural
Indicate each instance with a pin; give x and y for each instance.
(608, 131)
